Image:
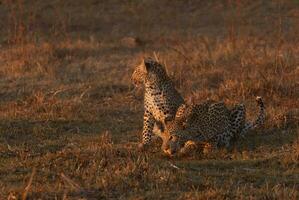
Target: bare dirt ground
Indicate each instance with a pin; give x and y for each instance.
(70, 119)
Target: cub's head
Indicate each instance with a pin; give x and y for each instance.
(148, 71)
(174, 131)
(177, 142)
(173, 137)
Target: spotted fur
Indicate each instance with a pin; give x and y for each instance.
(161, 99)
(208, 123)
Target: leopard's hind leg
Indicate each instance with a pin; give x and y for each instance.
(237, 118)
(224, 139)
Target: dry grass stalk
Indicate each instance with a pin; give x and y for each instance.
(70, 182)
(28, 186)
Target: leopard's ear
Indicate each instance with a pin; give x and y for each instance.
(148, 63)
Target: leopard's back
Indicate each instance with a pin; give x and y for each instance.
(205, 121)
(162, 101)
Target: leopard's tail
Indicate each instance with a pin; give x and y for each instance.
(259, 120)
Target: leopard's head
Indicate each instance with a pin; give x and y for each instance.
(173, 138)
(148, 71)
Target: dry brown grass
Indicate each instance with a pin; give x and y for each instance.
(70, 119)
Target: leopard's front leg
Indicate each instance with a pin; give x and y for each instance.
(188, 147)
(148, 126)
(191, 146)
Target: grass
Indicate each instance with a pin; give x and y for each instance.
(71, 120)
